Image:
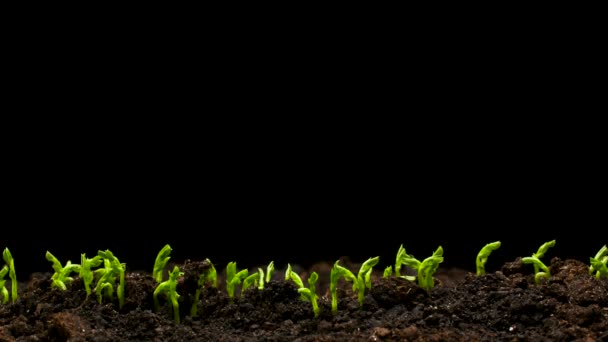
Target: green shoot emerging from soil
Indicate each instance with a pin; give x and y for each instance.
(425, 269)
(85, 270)
(209, 275)
(308, 294)
(428, 267)
(112, 269)
(269, 272)
(161, 261)
(233, 278)
(168, 287)
(252, 280)
(409, 260)
(538, 264)
(388, 272)
(10, 262)
(483, 255)
(598, 263)
(62, 274)
(362, 281)
(3, 290)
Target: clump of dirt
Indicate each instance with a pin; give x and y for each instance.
(502, 306)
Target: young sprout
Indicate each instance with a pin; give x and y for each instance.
(209, 275)
(428, 267)
(388, 272)
(62, 274)
(112, 269)
(425, 269)
(600, 267)
(8, 258)
(169, 288)
(252, 280)
(85, 270)
(269, 272)
(308, 294)
(538, 264)
(161, 261)
(409, 260)
(233, 278)
(3, 290)
(483, 255)
(602, 257)
(360, 282)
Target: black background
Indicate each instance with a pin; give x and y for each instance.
(251, 139)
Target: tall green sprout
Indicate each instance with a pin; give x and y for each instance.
(360, 282)
(308, 294)
(169, 288)
(3, 290)
(85, 270)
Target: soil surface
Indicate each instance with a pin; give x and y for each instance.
(502, 306)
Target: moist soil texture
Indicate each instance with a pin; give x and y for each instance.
(506, 305)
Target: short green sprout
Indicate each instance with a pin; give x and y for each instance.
(10, 262)
(601, 258)
(112, 269)
(483, 255)
(308, 294)
(269, 272)
(388, 272)
(161, 261)
(85, 270)
(3, 290)
(252, 280)
(360, 282)
(209, 275)
(233, 278)
(409, 260)
(540, 269)
(426, 269)
(62, 274)
(169, 288)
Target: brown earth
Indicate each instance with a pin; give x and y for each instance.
(503, 306)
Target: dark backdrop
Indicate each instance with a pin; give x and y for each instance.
(296, 140)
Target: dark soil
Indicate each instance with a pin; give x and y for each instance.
(503, 306)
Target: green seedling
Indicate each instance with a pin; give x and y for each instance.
(169, 288)
(107, 280)
(3, 290)
(85, 270)
(62, 274)
(360, 282)
(308, 294)
(233, 278)
(269, 272)
(540, 269)
(256, 279)
(602, 257)
(209, 275)
(426, 269)
(10, 262)
(161, 261)
(388, 272)
(409, 260)
(482, 256)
